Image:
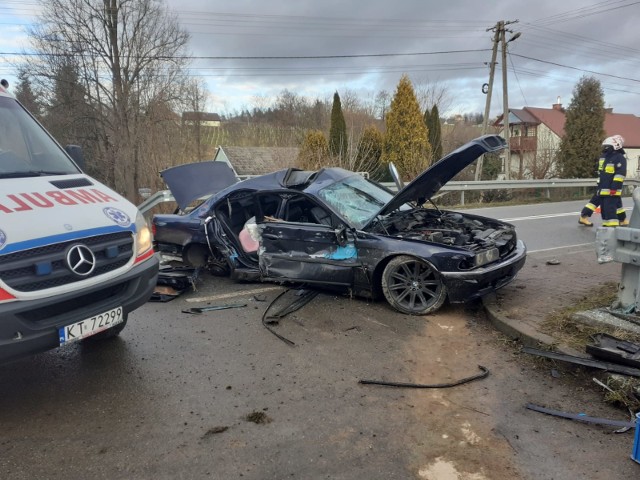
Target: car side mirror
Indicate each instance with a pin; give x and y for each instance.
(341, 236)
(76, 154)
(396, 176)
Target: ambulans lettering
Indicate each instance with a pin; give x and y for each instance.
(20, 202)
(38, 200)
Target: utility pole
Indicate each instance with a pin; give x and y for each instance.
(500, 36)
(492, 68)
(505, 106)
(505, 98)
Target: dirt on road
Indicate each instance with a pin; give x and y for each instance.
(217, 396)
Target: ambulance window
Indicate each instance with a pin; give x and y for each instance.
(25, 146)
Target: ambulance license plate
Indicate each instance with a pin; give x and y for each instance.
(90, 326)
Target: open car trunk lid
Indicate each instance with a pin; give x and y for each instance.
(194, 180)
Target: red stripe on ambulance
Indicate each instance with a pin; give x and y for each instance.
(20, 202)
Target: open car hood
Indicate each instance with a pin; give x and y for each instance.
(191, 181)
(427, 184)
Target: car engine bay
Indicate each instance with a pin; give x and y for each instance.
(448, 228)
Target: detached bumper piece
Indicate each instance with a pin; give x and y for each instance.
(173, 282)
(615, 350)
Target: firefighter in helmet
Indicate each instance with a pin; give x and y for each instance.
(594, 204)
(610, 180)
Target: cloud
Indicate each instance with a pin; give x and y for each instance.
(559, 43)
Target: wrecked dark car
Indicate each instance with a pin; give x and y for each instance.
(334, 228)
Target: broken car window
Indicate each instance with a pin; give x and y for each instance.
(356, 199)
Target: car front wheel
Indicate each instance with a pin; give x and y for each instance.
(413, 286)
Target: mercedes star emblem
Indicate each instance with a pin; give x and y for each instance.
(81, 260)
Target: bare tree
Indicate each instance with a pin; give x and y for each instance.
(433, 93)
(195, 97)
(130, 56)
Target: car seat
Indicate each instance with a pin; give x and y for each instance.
(321, 216)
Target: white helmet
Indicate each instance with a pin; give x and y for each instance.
(616, 142)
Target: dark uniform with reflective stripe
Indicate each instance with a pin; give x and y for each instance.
(594, 202)
(610, 181)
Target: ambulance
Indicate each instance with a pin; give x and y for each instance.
(75, 257)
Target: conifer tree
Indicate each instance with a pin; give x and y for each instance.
(338, 130)
(435, 133)
(406, 140)
(314, 151)
(26, 95)
(369, 152)
(583, 131)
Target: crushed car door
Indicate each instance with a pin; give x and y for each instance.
(309, 252)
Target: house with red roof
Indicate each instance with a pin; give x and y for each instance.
(535, 135)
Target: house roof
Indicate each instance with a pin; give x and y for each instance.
(625, 124)
(258, 160)
(552, 117)
(523, 116)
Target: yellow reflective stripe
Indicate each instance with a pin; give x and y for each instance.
(600, 164)
(619, 211)
(617, 193)
(610, 223)
(604, 191)
(618, 178)
(590, 206)
(610, 168)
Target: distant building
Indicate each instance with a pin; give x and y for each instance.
(251, 161)
(537, 132)
(206, 119)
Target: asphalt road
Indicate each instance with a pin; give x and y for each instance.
(551, 225)
(218, 396)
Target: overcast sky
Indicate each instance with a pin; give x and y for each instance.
(367, 45)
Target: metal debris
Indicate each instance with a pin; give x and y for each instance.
(174, 281)
(587, 362)
(199, 310)
(303, 297)
(608, 347)
(484, 374)
(581, 417)
(215, 430)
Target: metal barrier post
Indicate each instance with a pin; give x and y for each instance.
(622, 244)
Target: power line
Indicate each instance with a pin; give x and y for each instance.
(266, 57)
(583, 12)
(576, 68)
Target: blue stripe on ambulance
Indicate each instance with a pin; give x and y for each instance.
(63, 237)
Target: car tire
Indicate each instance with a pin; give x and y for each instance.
(199, 255)
(413, 286)
(217, 265)
(106, 334)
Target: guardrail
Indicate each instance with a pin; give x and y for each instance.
(457, 186)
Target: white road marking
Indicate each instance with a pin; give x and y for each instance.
(579, 245)
(233, 294)
(547, 215)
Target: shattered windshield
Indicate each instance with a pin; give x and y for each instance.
(356, 199)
